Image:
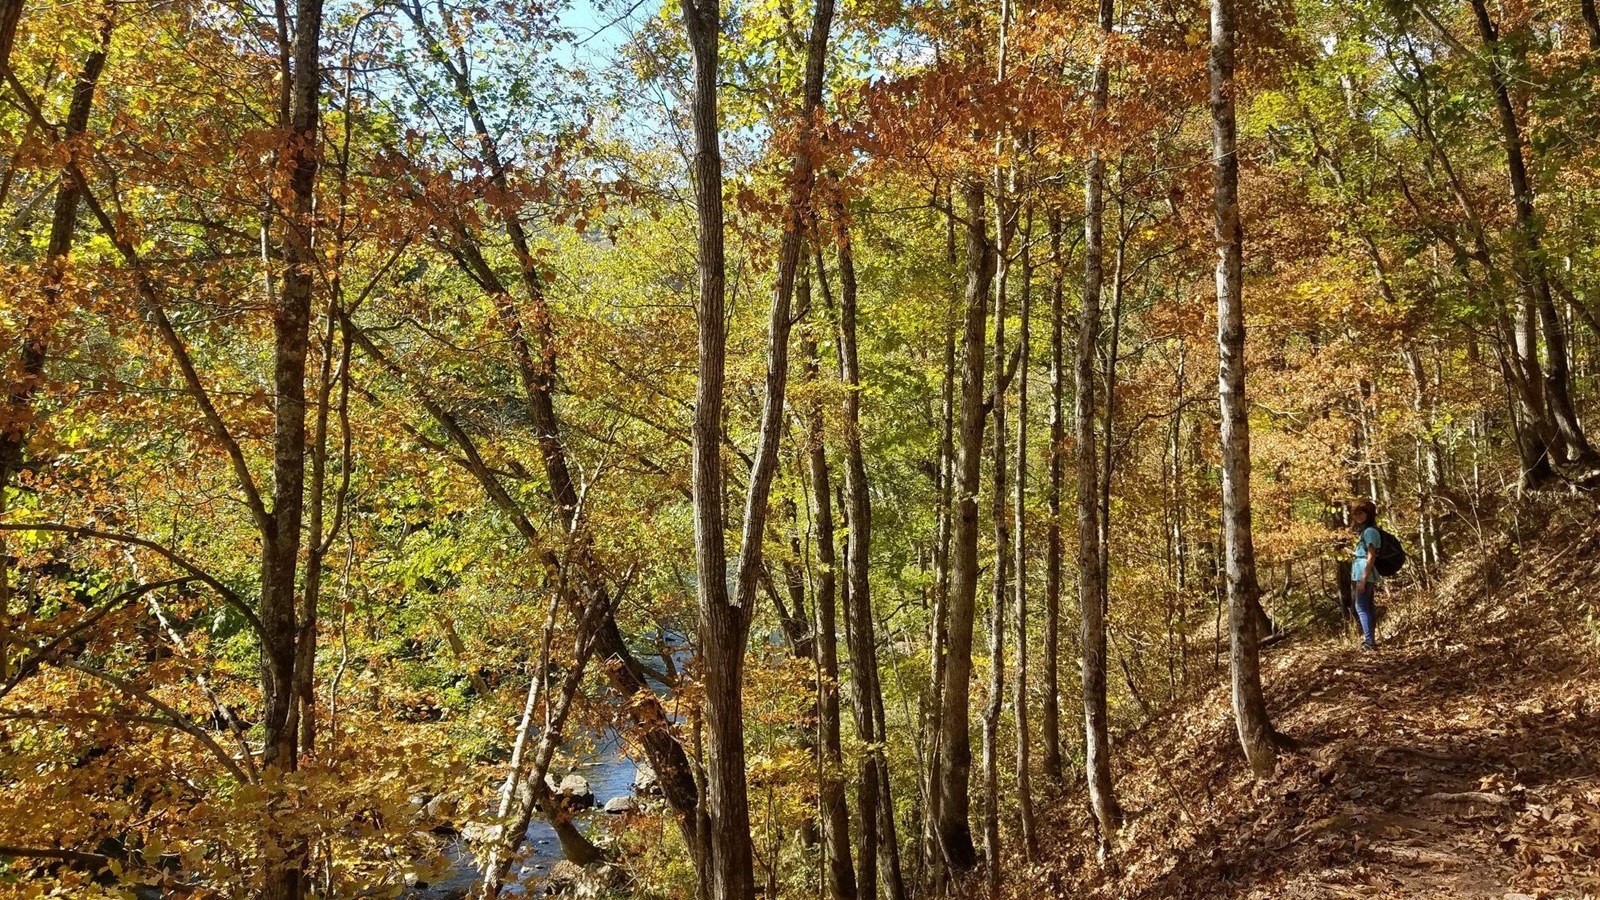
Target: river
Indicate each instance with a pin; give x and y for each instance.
(610, 774)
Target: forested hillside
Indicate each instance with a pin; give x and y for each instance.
(885, 449)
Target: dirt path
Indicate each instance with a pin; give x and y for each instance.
(1461, 760)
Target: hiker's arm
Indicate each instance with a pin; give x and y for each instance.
(1372, 560)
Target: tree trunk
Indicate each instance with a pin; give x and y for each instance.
(1050, 714)
(876, 802)
(931, 854)
(835, 815)
(723, 625)
(1019, 702)
(725, 620)
(999, 597)
(955, 763)
(527, 789)
(1533, 280)
(1249, 705)
(318, 544)
(1429, 467)
(10, 15)
(1097, 739)
(291, 338)
(18, 412)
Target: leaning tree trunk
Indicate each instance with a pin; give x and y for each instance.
(1249, 705)
(1528, 255)
(536, 366)
(955, 762)
(18, 410)
(1097, 737)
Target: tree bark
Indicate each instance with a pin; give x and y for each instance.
(724, 619)
(724, 625)
(1097, 739)
(1019, 701)
(1533, 280)
(931, 855)
(291, 340)
(955, 763)
(835, 814)
(1249, 705)
(880, 837)
(18, 412)
(999, 596)
(1050, 713)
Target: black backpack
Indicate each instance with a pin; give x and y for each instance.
(1391, 554)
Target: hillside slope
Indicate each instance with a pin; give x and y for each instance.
(1462, 760)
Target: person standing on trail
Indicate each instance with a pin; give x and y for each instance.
(1364, 569)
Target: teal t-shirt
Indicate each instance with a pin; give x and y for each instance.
(1366, 550)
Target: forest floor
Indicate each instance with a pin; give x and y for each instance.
(1460, 760)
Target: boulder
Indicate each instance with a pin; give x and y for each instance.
(573, 790)
(440, 809)
(645, 782)
(617, 806)
(565, 871)
(479, 832)
(584, 882)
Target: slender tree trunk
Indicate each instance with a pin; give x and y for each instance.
(1249, 705)
(525, 788)
(1019, 702)
(1429, 475)
(1177, 660)
(999, 598)
(291, 327)
(1530, 266)
(17, 414)
(955, 763)
(724, 619)
(318, 545)
(859, 619)
(835, 814)
(1050, 714)
(1108, 430)
(931, 855)
(1097, 739)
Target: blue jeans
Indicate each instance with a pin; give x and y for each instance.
(1366, 612)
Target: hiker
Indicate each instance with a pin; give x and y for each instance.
(1364, 571)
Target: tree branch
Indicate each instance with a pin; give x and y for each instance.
(31, 664)
(158, 316)
(174, 718)
(225, 592)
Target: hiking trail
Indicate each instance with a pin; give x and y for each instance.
(1460, 760)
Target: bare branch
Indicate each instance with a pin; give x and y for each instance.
(201, 575)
